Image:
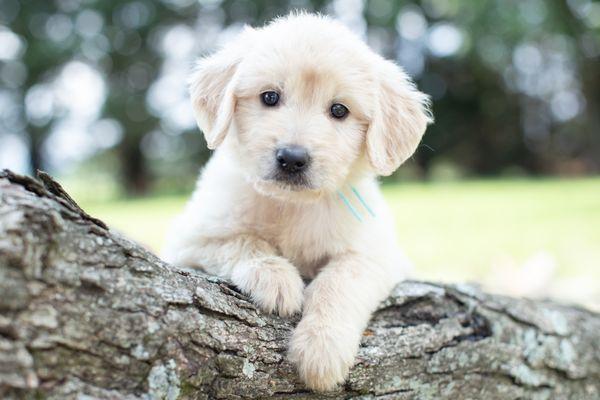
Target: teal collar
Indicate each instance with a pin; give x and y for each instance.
(351, 208)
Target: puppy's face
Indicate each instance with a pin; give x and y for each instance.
(301, 117)
(306, 107)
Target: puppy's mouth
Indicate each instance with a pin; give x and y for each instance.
(297, 188)
(294, 182)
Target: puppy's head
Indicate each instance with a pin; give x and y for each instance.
(307, 106)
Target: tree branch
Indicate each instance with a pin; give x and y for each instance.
(85, 311)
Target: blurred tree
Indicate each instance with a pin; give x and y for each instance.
(131, 65)
(41, 58)
(520, 89)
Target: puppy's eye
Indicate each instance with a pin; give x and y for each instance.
(269, 98)
(339, 111)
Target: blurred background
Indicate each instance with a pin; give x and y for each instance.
(504, 190)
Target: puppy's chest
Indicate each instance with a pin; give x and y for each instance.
(307, 235)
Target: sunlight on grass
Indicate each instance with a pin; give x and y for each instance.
(145, 220)
(461, 230)
(456, 231)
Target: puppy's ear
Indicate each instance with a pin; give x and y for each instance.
(212, 87)
(400, 118)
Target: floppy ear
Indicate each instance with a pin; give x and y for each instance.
(399, 120)
(212, 86)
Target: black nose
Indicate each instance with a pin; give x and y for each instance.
(292, 158)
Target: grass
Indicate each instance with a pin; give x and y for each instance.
(464, 228)
(454, 231)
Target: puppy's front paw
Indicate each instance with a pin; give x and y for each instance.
(274, 284)
(322, 354)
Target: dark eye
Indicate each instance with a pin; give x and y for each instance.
(339, 111)
(269, 98)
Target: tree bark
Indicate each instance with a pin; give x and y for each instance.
(85, 311)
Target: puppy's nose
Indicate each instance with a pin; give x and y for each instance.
(292, 158)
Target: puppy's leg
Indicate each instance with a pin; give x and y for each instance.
(337, 308)
(252, 265)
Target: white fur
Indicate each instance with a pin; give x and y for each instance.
(266, 236)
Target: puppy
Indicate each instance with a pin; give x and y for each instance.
(303, 117)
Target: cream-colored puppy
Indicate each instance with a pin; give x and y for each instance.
(303, 117)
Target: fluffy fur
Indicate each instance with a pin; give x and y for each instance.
(265, 234)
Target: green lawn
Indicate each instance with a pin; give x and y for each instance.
(456, 231)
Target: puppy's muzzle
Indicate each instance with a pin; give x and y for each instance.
(291, 164)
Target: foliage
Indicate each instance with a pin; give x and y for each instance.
(515, 85)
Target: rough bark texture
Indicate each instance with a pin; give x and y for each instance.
(84, 311)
